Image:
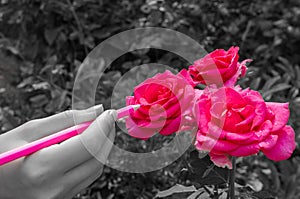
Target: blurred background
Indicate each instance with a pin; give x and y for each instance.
(43, 43)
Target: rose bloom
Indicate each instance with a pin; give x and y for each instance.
(236, 122)
(219, 67)
(166, 99)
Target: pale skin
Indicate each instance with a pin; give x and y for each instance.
(61, 170)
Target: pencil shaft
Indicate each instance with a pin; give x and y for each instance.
(56, 138)
(37, 145)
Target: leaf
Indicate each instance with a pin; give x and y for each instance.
(269, 83)
(203, 195)
(39, 100)
(50, 35)
(274, 176)
(293, 93)
(208, 170)
(196, 194)
(175, 189)
(288, 67)
(297, 68)
(9, 120)
(291, 187)
(261, 48)
(284, 61)
(261, 195)
(256, 185)
(275, 89)
(199, 174)
(202, 154)
(255, 83)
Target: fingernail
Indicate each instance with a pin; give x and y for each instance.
(105, 121)
(114, 114)
(98, 108)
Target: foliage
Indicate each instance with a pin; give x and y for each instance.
(44, 42)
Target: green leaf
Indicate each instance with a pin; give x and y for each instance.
(255, 184)
(50, 35)
(198, 194)
(275, 89)
(269, 83)
(255, 83)
(208, 170)
(175, 189)
(203, 195)
(288, 67)
(203, 171)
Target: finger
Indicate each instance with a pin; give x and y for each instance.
(86, 173)
(83, 184)
(79, 149)
(39, 128)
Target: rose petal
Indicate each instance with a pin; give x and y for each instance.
(139, 132)
(218, 110)
(202, 114)
(281, 112)
(284, 147)
(171, 127)
(239, 137)
(264, 130)
(245, 150)
(240, 73)
(209, 144)
(269, 142)
(231, 81)
(221, 160)
(186, 75)
(244, 67)
(260, 114)
(232, 97)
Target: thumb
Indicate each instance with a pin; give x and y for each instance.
(99, 135)
(39, 128)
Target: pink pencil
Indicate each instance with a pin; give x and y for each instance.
(56, 138)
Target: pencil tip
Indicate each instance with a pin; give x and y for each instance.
(136, 106)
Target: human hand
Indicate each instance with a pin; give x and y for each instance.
(61, 170)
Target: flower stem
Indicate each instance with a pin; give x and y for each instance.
(231, 179)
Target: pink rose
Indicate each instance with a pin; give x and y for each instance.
(166, 99)
(219, 67)
(242, 124)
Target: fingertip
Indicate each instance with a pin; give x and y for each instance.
(97, 108)
(107, 120)
(110, 115)
(98, 133)
(114, 114)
